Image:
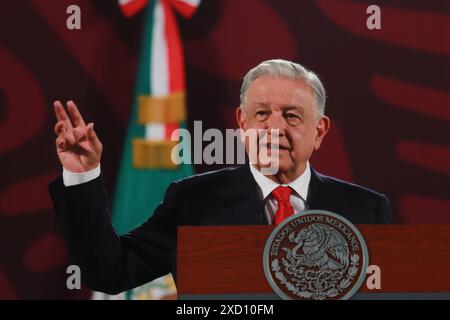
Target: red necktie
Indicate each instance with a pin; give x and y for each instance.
(282, 195)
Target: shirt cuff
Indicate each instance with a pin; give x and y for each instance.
(73, 179)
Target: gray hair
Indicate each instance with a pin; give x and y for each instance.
(285, 69)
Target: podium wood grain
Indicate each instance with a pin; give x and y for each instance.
(224, 260)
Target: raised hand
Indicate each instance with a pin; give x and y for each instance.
(77, 145)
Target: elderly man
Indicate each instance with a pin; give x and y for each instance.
(276, 94)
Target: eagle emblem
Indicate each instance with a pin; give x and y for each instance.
(316, 255)
(318, 246)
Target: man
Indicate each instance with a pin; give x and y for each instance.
(277, 94)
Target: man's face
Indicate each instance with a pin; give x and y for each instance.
(289, 106)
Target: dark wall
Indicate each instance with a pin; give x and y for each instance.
(388, 95)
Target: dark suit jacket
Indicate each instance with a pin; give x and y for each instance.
(112, 263)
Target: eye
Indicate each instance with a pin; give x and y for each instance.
(291, 115)
(262, 114)
(293, 118)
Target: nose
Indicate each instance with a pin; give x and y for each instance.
(276, 121)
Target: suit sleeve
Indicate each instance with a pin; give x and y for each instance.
(109, 262)
(384, 211)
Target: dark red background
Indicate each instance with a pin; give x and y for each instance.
(389, 98)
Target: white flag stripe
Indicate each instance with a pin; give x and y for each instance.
(155, 131)
(125, 2)
(159, 71)
(159, 77)
(193, 3)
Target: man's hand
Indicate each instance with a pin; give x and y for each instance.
(77, 145)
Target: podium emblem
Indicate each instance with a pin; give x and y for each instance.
(315, 255)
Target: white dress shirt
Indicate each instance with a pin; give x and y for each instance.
(266, 186)
(72, 178)
(297, 198)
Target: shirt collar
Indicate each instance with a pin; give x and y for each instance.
(299, 185)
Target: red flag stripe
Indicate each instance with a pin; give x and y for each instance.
(170, 128)
(186, 9)
(131, 7)
(174, 51)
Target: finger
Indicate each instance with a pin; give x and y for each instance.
(75, 115)
(59, 127)
(69, 137)
(92, 137)
(60, 143)
(79, 134)
(61, 114)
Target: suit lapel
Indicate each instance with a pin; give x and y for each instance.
(315, 191)
(247, 207)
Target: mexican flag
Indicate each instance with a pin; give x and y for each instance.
(146, 168)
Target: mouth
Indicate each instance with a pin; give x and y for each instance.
(277, 146)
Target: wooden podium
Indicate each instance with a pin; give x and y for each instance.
(226, 262)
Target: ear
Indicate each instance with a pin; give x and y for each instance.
(240, 117)
(322, 127)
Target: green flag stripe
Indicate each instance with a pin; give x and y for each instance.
(138, 192)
